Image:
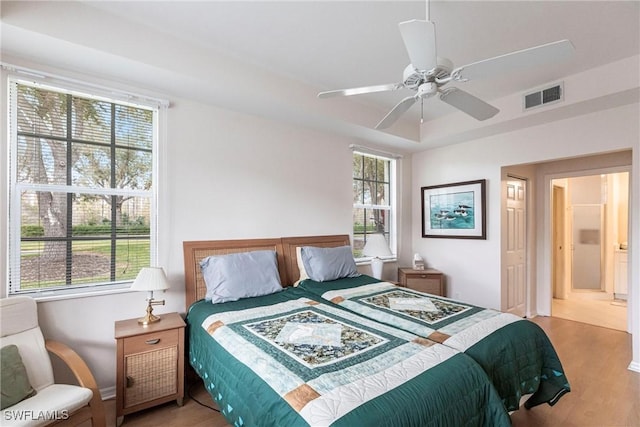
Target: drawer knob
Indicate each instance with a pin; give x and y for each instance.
(129, 381)
(153, 341)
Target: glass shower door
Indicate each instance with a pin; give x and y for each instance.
(587, 247)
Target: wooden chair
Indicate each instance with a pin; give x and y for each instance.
(52, 404)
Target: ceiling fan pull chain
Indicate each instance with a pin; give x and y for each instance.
(421, 110)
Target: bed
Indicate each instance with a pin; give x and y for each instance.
(515, 353)
(291, 358)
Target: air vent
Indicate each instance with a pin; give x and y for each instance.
(543, 97)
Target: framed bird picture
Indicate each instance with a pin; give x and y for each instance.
(454, 210)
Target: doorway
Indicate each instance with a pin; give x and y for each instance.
(590, 221)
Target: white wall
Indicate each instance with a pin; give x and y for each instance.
(473, 266)
(226, 175)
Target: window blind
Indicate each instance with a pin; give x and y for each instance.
(81, 199)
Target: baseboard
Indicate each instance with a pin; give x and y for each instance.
(108, 393)
(634, 366)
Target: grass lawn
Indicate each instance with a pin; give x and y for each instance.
(92, 262)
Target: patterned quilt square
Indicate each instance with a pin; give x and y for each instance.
(310, 337)
(442, 309)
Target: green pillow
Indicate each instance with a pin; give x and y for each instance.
(14, 382)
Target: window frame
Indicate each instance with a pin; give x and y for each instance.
(14, 206)
(390, 206)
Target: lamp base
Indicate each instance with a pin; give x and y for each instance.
(150, 318)
(376, 268)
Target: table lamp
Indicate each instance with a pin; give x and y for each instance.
(376, 247)
(150, 279)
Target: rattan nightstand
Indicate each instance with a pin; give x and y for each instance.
(429, 280)
(150, 364)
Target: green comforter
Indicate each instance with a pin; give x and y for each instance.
(515, 353)
(290, 359)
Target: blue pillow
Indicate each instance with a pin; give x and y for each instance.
(240, 275)
(324, 264)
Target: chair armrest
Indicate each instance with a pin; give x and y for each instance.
(82, 373)
(74, 362)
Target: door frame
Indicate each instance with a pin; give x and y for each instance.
(544, 289)
(559, 243)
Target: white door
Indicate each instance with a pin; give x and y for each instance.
(515, 254)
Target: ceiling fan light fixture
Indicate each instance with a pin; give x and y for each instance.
(427, 90)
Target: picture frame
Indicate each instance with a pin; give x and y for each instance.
(454, 211)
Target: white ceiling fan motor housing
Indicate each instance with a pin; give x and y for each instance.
(413, 78)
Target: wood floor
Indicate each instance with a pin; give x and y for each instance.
(603, 391)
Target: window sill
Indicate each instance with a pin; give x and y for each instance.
(63, 294)
(367, 261)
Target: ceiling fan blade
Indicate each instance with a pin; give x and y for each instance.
(396, 112)
(521, 59)
(420, 41)
(467, 103)
(361, 90)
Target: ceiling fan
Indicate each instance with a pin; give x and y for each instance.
(428, 74)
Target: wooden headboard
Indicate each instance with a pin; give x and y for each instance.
(196, 251)
(289, 245)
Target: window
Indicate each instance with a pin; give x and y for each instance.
(81, 199)
(373, 200)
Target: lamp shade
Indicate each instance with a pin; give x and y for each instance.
(150, 279)
(376, 246)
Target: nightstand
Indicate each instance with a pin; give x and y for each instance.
(428, 280)
(150, 364)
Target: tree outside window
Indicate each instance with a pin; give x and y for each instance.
(372, 209)
(80, 190)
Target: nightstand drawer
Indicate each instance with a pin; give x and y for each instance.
(429, 281)
(151, 341)
(430, 286)
(419, 276)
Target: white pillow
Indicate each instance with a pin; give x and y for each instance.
(324, 264)
(240, 275)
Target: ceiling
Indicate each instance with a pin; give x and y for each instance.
(340, 44)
